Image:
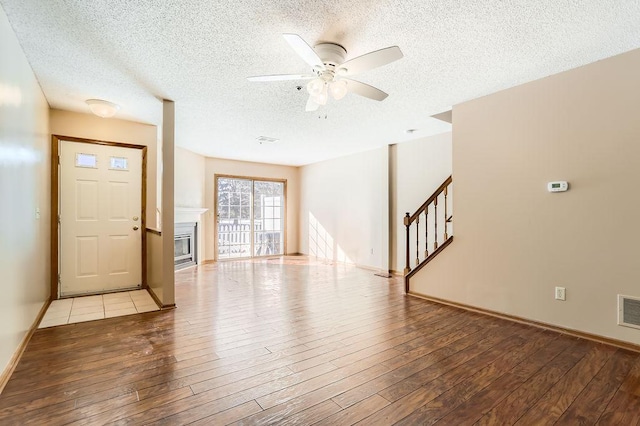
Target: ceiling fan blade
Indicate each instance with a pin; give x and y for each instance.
(370, 60)
(311, 105)
(303, 50)
(362, 89)
(281, 77)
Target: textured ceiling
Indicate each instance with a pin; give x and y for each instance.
(199, 53)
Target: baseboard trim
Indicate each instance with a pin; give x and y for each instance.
(155, 298)
(168, 307)
(575, 333)
(357, 265)
(15, 359)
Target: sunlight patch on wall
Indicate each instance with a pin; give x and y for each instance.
(16, 155)
(322, 244)
(342, 256)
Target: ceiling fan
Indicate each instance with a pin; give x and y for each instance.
(330, 71)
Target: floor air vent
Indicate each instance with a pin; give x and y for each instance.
(629, 311)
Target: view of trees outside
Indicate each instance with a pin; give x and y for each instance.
(237, 221)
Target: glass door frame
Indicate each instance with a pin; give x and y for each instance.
(252, 231)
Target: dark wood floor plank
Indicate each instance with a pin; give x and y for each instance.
(511, 408)
(400, 408)
(216, 400)
(291, 392)
(624, 407)
(455, 388)
(296, 404)
(130, 410)
(441, 380)
(591, 403)
(408, 385)
(402, 370)
(356, 412)
(312, 414)
(45, 393)
(472, 410)
(231, 415)
(330, 344)
(554, 403)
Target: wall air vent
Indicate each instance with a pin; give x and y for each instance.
(266, 139)
(629, 311)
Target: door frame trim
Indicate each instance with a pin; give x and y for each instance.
(56, 140)
(215, 211)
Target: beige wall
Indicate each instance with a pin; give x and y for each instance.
(515, 241)
(416, 169)
(154, 265)
(344, 209)
(218, 166)
(24, 188)
(189, 179)
(88, 126)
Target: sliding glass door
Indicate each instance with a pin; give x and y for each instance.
(250, 216)
(234, 217)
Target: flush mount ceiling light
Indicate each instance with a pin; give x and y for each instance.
(104, 109)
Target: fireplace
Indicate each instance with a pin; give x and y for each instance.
(185, 245)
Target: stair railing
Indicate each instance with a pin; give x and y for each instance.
(434, 223)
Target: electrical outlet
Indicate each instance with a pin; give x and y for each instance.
(561, 293)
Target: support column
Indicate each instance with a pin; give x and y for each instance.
(168, 219)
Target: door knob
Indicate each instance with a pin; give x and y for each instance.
(135, 228)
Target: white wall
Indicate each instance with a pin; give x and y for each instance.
(417, 168)
(24, 187)
(514, 241)
(214, 166)
(344, 209)
(189, 193)
(189, 178)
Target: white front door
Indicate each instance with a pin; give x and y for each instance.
(100, 218)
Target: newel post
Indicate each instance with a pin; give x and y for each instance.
(407, 223)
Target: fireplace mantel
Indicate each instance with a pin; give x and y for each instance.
(188, 214)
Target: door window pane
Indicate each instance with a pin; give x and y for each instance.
(118, 163)
(86, 160)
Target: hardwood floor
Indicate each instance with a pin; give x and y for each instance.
(295, 341)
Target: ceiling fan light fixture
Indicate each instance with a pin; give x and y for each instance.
(101, 108)
(322, 97)
(338, 89)
(315, 86)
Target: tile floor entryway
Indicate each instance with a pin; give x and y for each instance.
(89, 308)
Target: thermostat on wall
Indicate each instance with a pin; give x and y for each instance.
(558, 186)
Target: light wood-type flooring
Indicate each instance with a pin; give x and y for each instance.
(292, 341)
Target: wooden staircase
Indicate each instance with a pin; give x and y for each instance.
(432, 227)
